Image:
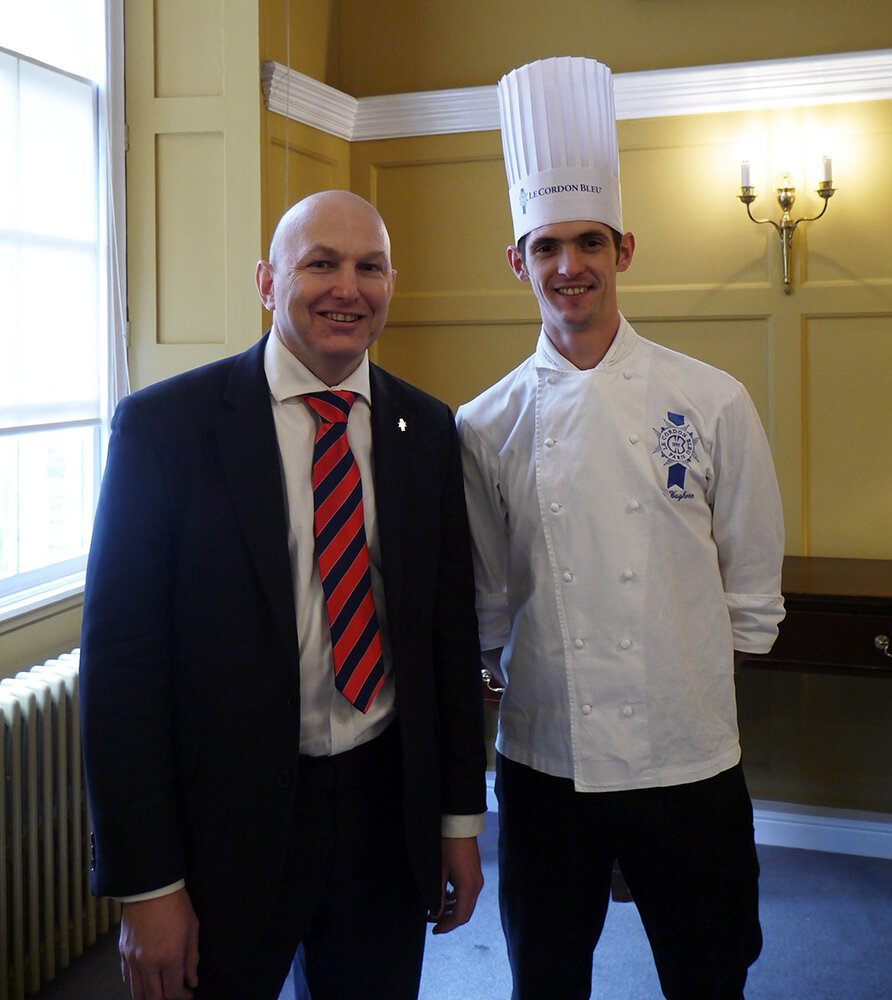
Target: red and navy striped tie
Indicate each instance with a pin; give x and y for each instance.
(342, 553)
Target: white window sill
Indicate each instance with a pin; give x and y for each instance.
(26, 607)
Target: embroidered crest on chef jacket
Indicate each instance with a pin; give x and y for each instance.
(676, 444)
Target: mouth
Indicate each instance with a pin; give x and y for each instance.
(339, 317)
(571, 292)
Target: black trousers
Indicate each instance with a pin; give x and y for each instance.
(347, 893)
(687, 853)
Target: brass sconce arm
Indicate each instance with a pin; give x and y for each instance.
(786, 196)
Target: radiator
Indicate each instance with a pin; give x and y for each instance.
(48, 915)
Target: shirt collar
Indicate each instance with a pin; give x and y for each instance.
(288, 376)
(549, 357)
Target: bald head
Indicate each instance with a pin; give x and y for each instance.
(324, 205)
(328, 281)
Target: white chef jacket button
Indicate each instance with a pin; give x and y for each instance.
(634, 505)
(633, 438)
(568, 576)
(627, 374)
(555, 507)
(628, 574)
(551, 380)
(625, 643)
(628, 711)
(586, 709)
(579, 643)
(549, 442)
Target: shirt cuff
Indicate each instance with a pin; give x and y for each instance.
(154, 894)
(464, 826)
(493, 620)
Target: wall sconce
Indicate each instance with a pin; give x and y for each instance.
(786, 195)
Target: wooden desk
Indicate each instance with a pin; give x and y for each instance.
(836, 609)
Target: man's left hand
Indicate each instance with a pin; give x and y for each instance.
(462, 882)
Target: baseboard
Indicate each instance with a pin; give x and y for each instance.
(812, 828)
(815, 828)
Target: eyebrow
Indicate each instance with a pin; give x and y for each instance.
(579, 238)
(327, 251)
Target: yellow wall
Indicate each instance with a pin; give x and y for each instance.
(396, 46)
(303, 35)
(193, 182)
(39, 635)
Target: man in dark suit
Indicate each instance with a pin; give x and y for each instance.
(241, 803)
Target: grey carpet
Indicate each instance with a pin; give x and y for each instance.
(826, 921)
(826, 918)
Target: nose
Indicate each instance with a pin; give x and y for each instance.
(346, 284)
(570, 261)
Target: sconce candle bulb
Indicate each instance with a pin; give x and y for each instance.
(786, 196)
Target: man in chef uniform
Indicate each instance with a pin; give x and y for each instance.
(629, 539)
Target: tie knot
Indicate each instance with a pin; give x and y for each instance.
(332, 406)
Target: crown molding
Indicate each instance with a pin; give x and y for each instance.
(692, 90)
(429, 112)
(775, 83)
(303, 99)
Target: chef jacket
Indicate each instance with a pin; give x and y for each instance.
(628, 538)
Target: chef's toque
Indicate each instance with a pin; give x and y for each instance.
(559, 142)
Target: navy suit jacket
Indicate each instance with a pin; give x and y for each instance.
(190, 686)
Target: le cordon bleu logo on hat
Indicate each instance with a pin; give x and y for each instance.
(559, 142)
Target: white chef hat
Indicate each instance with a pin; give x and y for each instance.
(559, 141)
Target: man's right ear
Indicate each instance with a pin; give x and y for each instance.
(515, 260)
(263, 278)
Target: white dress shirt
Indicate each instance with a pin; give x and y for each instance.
(628, 537)
(329, 724)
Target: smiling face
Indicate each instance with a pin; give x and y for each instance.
(328, 282)
(572, 268)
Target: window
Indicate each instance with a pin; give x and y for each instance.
(61, 357)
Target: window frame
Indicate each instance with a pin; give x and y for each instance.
(64, 581)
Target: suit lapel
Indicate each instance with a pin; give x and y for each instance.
(392, 448)
(250, 457)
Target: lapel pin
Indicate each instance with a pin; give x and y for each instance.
(401, 424)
